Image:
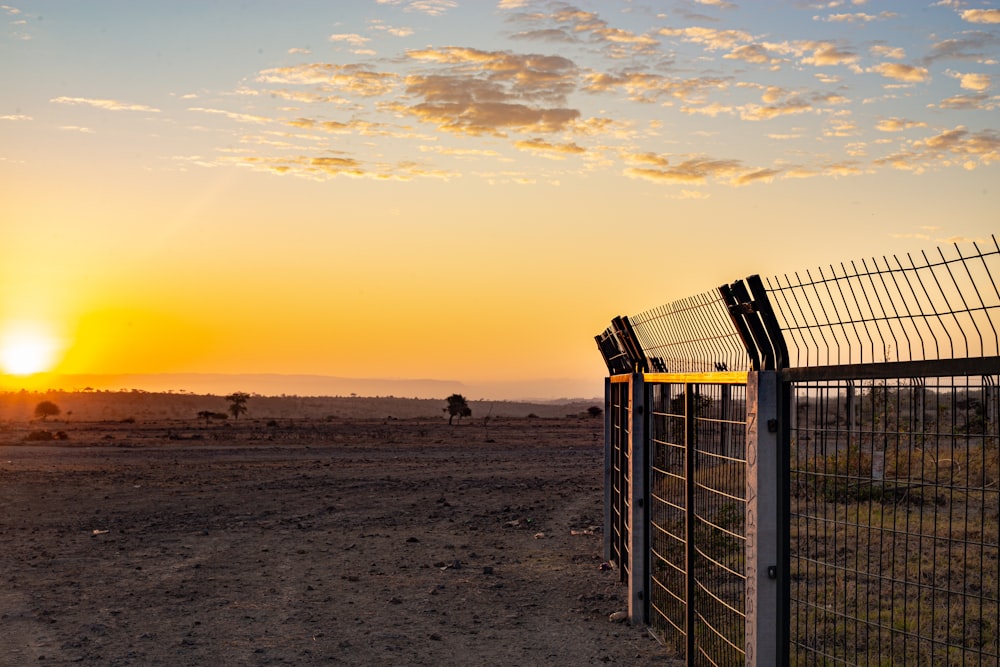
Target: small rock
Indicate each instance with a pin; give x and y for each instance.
(618, 617)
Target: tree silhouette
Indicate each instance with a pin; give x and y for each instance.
(46, 409)
(238, 403)
(457, 407)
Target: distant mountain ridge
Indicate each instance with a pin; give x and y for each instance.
(276, 384)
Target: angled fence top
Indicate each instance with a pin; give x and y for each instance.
(937, 305)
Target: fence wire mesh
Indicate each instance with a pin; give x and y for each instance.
(692, 335)
(889, 469)
(895, 545)
(941, 305)
(697, 509)
(619, 412)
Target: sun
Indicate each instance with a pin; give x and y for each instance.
(26, 349)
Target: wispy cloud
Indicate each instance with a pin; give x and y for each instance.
(955, 147)
(548, 149)
(354, 79)
(430, 7)
(981, 15)
(902, 72)
(233, 115)
(110, 105)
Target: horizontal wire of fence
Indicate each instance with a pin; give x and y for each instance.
(943, 305)
(883, 432)
(692, 335)
(895, 542)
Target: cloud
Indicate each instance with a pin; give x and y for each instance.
(981, 15)
(893, 52)
(460, 152)
(692, 170)
(710, 38)
(429, 7)
(555, 35)
(898, 124)
(233, 115)
(475, 117)
(645, 87)
(780, 102)
(77, 128)
(110, 105)
(566, 23)
(826, 54)
(859, 17)
(16, 117)
(840, 127)
(352, 39)
(491, 92)
(974, 46)
(953, 147)
(974, 81)
(979, 101)
(354, 79)
(298, 50)
(902, 72)
(325, 167)
(752, 53)
(756, 176)
(542, 147)
(522, 76)
(359, 127)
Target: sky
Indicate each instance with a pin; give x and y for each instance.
(460, 190)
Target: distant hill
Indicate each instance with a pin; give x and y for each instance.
(275, 384)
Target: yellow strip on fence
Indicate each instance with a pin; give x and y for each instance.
(717, 377)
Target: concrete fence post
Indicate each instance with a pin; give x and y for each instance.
(763, 608)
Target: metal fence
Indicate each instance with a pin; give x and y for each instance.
(820, 450)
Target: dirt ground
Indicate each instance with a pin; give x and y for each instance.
(374, 542)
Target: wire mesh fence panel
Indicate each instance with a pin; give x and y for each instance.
(620, 411)
(895, 546)
(692, 335)
(668, 516)
(933, 306)
(697, 508)
(719, 570)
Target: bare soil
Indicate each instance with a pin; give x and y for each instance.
(375, 542)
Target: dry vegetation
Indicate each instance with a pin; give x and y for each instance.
(290, 539)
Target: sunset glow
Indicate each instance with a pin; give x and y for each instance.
(460, 190)
(26, 349)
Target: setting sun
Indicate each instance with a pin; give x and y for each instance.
(27, 349)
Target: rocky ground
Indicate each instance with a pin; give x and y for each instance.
(374, 542)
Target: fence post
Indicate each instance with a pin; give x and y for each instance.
(638, 474)
(763, 521)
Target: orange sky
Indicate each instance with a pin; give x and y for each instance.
(462, 191)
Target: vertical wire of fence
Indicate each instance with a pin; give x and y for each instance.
(888, 427)
(894, 473)
(619, 411)
(696, 435)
